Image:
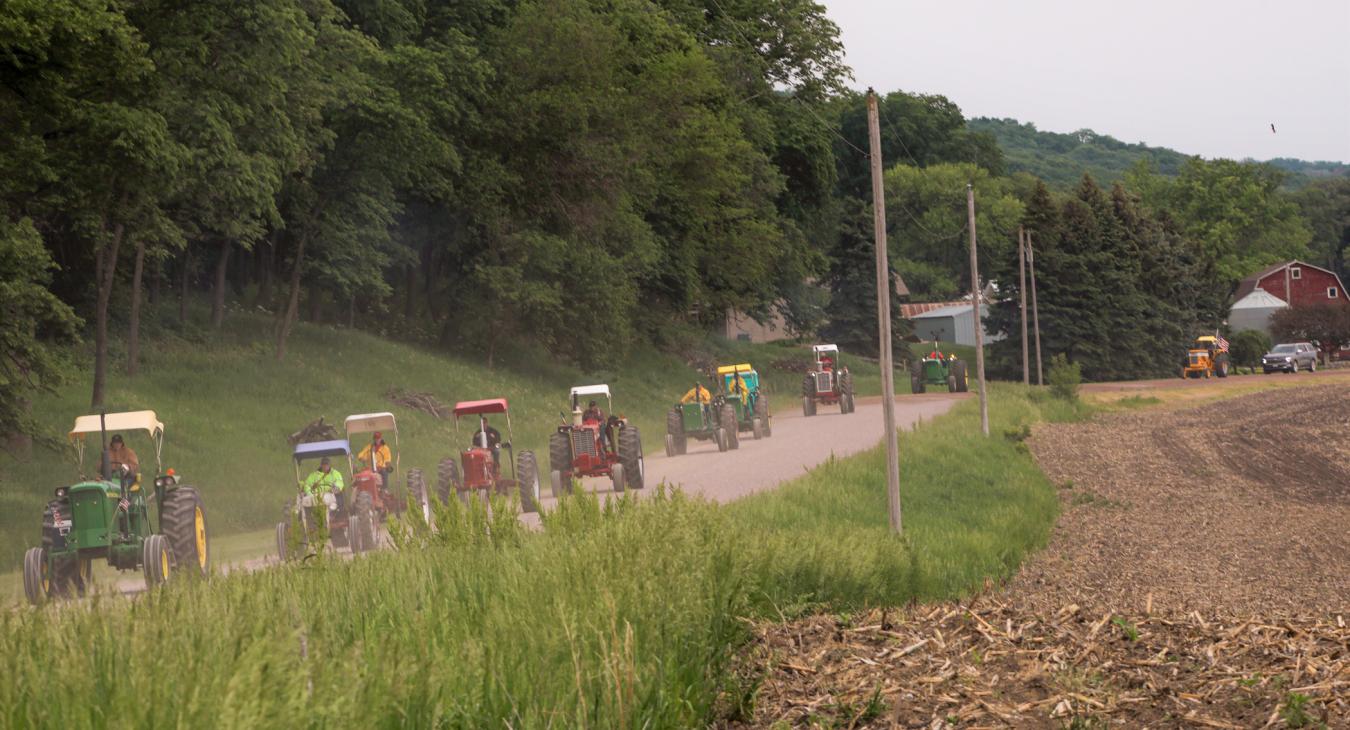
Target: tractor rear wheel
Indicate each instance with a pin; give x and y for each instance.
(183, 522)
(916, 384)
(70, 576)
(846, 392)
(675, 430)
(37, 583)
(630, 455)
(757, 428)
(808, 385)
(527, 474)
(283, 539)
(762, 413)
(720, 436)
(555, 484)
(363, 524)
(447, 479)
(959, 377)
(156, 560)
(616, 477)
(560, 454)
(670, 446)
(808, 406)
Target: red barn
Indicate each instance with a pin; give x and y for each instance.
(1296, 283)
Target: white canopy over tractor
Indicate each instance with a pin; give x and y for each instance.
(582, 391)
(824, 349)
(112, 422)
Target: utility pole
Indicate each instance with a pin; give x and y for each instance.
(975, 302)
(884, 317)
(1022, 289)
(1035, 311)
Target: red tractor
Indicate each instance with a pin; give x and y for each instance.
(829, 382)
(589, 444)
(376, 463)
(479, 466)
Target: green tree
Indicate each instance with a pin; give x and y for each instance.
(34, 323)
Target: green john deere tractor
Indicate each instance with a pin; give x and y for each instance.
(744, 406)
(698, 416)
(111, 517)
(937, 368)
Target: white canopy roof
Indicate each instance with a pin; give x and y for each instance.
(129, 421)
(1260, 299)
(824, 348)
(367, 422)
(591, 390)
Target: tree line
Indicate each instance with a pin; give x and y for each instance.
(577, 173)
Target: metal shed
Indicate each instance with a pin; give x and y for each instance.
(1253, 311)
(954, 323)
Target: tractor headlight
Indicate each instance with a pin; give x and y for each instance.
(330, 501)
(61, 492)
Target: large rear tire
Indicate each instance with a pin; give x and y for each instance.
(757, 428)
(762, 413)
(283, 539)
(675, 430)
(156, 560)
(720, 436)
(808, 385)
(808, 406)
(37, 583)
(670, 446)
(846, 392)
(616, 478)
(447, 479)
(916, 384)
(560, 455)
(183, 522)
(555, 484)
(527, 472)
(417, 491)
(960, 376)
(630, 455)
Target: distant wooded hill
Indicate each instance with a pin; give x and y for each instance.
(1061, 159)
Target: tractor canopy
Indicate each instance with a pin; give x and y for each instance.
(113, 422)
(819, 350)
(368, 422)
(748, 376)
(320, 449)
(480, 407)
(583, 391)
(1206, 342)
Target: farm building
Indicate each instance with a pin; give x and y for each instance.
(953, 322)
(1296, 283)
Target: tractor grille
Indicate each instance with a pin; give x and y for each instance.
(583, 442)
(823, 383)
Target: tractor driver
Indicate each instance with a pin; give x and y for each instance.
(383, 462)
(119, 454)
(488, 437)
(826, 363)
(697, 393)
(738, 387)
(593, 414)
(325, 479)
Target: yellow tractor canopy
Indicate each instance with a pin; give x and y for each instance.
(744, 367)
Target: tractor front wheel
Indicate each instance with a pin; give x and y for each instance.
(37, 583)
(616, 477)
(630, 455)
(527, 472)
(363, 524)
(283, 539)
(156, 560)
(183, 523)
(757, 428)
(675, 432)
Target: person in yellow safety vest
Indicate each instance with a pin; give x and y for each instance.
(697, 393)
(384, 463)
(324, 479)
(738, 386)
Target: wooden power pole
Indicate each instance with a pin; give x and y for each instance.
(975, 302)
(884, 317)
(1022, 289)
(1035, 311)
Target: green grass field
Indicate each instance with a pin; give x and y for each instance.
(227, 406)
(625, 615)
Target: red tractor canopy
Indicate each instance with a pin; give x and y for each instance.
(480, 407)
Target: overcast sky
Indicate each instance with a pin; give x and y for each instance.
(1204, 77)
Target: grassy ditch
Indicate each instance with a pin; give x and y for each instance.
(624, 615)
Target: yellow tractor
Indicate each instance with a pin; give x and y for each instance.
(1207, 357)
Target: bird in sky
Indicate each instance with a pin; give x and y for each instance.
(1272, 128)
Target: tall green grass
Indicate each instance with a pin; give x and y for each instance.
(618, 616)
(228, 406)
